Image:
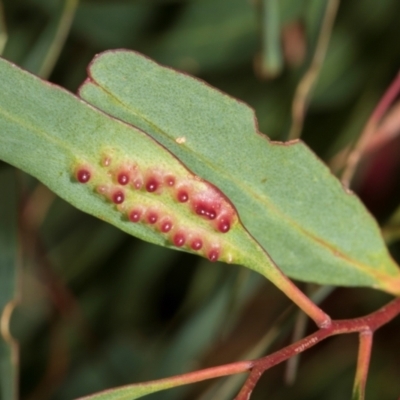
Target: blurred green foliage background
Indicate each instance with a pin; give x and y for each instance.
(100, 309)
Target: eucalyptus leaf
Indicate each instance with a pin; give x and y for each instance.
(136, 391)
(288, 200)
(121, 175)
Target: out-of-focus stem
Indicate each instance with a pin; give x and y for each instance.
(270, 60)
(227, 389)
(3, 29)
(369, 323)
(355, 156)
(60, 37)
(298, 333)
(300, 328)
(306, 84)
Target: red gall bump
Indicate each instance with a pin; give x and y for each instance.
(83, 175)
(170, 180)
(224, 225)
(196, 244)
(118, 197)
(166, 226)
(152, 217)
(152, 184)
(138, 183)
(213, 255)
(182, 196)
(123, 178)
(135, 215)
(102, 189)
(179, 239)
(205, 210)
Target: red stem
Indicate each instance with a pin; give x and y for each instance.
(387, 99)
(383, 105)
(370, 323)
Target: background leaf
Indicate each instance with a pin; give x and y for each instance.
(207, 35)
(8, 284)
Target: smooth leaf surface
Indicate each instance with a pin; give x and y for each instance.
(288, 200)
(70, 137)
(136, 391)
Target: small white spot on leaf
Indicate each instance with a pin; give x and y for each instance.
(180, 140)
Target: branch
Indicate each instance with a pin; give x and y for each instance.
(306, 84)
(369, 323)
(369, 130)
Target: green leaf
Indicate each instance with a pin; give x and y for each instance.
(271, 57)
(208, 36)
(136, 391)
(84, 155)
(8, 283)
(391, 230)
(44, 54)
(286, 198)
(112, 24)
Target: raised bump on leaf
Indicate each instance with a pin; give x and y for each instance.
(213, 254)
(179, 239)
(166, 225)
(170, 180)
(151, 216)
(182, 195)
(83, 174)
(123, 178)
(224, 224)
(205, 209)
(196, 244)
(138, 183)
(118, 197)
(153, 182)
(135, 215)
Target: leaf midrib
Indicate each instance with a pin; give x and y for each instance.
(42, 134)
